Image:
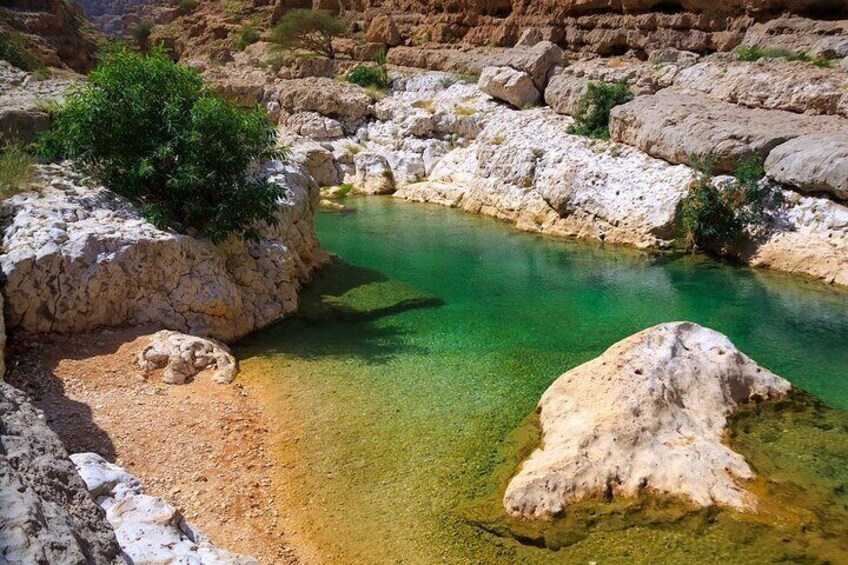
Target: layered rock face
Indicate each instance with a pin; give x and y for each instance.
(77, 258)
(24, 101)
(649, 415)
(46, 512)
(54, 31)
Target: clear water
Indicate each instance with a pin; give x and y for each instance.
(431, 344)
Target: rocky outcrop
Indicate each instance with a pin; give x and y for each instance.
(324, 96)
(24, 101)
(649, 415)
(373, 174)
(812, 163)
(183, 356)
(675, 125)
(774, 84)
(509, 85)
(77, 258)
(149, 529)
(46, 513)
(54, 31)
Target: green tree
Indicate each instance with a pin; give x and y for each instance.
(150, 130)
(310, 30)
(593, 114)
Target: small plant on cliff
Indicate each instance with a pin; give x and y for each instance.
(309, 30)
(593, 114)
(714, 217)
(376, 76)
(246, 36)
(16, 166)
(187, 6)
(150, 130)
(140, 33)
(13, 48)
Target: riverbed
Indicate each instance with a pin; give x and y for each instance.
(404, 392)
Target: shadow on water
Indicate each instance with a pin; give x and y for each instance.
(343, 314)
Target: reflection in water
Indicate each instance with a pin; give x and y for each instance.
(417, 357)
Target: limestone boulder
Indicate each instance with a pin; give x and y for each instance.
(317, 161)
(325, 96)
(183, 356)
(77, 257)
(509, 85)
(675, 125)
(565, 92)
(46, 515)
(150, 530)
(812, 163)
(794, 86)
(649, 415)
(24, 101)
(373, 174)
(314, 126)
(382, 29)
(529, 38)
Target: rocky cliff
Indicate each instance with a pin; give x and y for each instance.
(54, 31)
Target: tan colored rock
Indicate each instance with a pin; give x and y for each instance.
(509, 85)
(812, 163)
(23, 103)
(373, 174)
(565, 92)
(325, 96)
(382, 29)
(649, 415)
(529, 38)
(776, 84)
(183, 356)
(314, 126)
(674, 125)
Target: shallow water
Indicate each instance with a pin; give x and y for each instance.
(430, 344)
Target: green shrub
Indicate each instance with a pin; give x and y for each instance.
(246, 36)
(151, 131)
(823, 63)
(310, 30)
(140, 33)
(593, 114)
(13, 49)
(187, 6)
(16, 166)
(750, 54)
(714, 218)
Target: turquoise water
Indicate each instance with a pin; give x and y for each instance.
(434, 339)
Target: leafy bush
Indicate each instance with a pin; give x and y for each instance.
(187, 6)
(140, 33)
(247, 36)
(16, 167)
(14, 50)
(593, 114)
(376, 76)
(310, 30)
(150, 130)
(714, 218)
(750, 54)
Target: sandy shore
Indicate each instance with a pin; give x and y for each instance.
(201, 446)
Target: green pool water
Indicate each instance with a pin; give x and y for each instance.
(405, 386)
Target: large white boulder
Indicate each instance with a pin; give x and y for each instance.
(649, 415)
(812, 163)
(373, 174)
(77, 257)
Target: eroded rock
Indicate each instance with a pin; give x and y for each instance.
(183, 356)
(812, 163)
(509, 85)
(649, 415)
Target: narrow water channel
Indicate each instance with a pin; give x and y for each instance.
(429, 342)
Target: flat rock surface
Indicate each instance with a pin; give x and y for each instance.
(812, 163)
(648, 415)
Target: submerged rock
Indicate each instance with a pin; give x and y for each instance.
(647, 415)
(183, 356)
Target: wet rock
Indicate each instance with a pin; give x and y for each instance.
(649, 415)
(46, 514)
(183, 356)
(509, 85)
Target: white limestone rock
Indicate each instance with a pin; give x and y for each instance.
(183, 356)
(373, 174)
(77, 257)
(314, 126)
(649, 415)
(812, 163)
(509, 85)
(150, 531)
